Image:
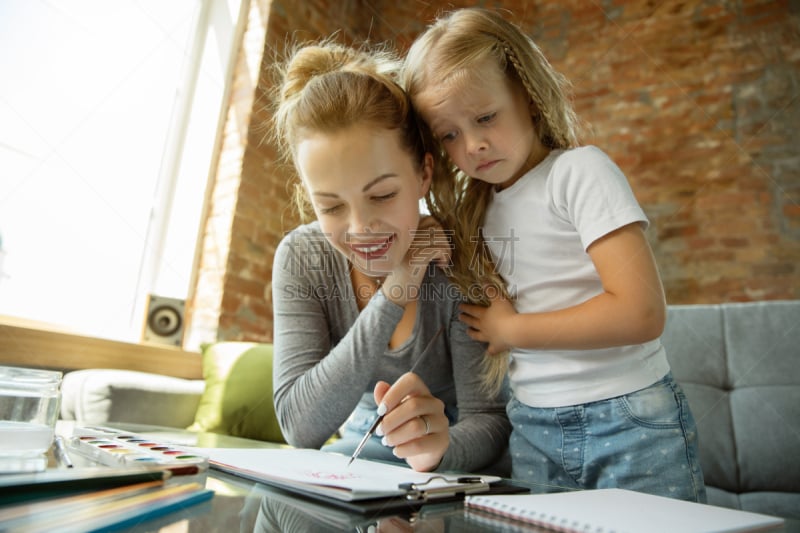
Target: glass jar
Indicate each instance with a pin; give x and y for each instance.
(29, 408)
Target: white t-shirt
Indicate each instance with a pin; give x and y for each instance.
(538, 231)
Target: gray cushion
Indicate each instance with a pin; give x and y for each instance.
(739, 364)
(97, 396)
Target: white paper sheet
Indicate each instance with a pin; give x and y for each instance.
(325, 473)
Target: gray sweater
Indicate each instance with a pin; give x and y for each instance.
(328, 356)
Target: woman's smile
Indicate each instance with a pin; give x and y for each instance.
(372, 250)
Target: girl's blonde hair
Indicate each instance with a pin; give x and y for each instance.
(449, 52)
(325, 87)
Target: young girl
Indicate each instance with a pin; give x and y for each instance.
(594, 403)
(357, 300)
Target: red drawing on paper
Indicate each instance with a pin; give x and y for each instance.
(331, 476)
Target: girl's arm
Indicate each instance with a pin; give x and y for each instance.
(630, 310)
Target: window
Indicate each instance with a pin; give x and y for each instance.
(108, 115)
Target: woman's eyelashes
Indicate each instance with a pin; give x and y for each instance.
(335, 209)
(384, 197)
(330, 210)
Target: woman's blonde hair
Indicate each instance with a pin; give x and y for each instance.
(325, 87)
(450, 52)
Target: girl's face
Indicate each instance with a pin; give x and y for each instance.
(484, 125)
(365, 189)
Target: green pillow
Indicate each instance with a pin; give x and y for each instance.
(237, 399)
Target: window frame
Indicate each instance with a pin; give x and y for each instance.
(226, 20)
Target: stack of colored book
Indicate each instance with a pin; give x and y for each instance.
(91, 499)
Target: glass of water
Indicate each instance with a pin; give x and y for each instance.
(29, 407)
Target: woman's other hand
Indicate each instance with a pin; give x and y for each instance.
(430, 244)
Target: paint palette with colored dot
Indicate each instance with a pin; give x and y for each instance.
(113, 447)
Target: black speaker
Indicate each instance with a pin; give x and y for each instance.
(165, 321)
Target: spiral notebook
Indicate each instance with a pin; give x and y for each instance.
(618, 511)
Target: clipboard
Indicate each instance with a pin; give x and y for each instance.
(283, 510)
(393, 505)
(363, 487)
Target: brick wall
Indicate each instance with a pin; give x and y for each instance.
(698, 102)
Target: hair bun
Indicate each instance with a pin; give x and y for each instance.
(312, 61)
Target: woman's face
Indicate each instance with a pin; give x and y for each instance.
(365, 189)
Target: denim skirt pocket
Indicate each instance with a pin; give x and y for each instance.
(656, 406)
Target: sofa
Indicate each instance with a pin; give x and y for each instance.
(233, 398)
(738, 363)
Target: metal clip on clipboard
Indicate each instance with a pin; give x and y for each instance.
(452, 487)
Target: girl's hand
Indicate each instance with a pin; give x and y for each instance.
(489, 324)
(429, 244)
(415, 424)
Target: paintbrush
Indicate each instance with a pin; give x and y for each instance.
(374, 426)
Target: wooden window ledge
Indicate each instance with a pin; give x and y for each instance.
(29, 344)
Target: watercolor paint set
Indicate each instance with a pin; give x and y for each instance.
(112, 447)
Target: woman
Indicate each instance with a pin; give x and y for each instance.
(357, 297)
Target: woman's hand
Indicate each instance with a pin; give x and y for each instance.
(414, 424)
(429, 245)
